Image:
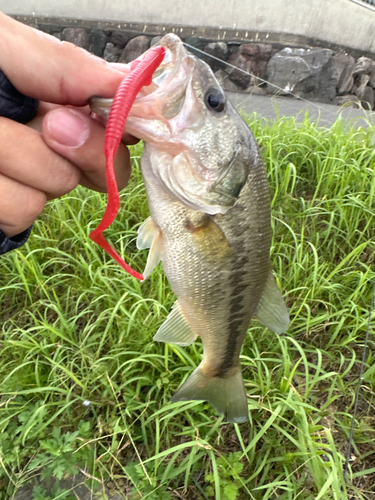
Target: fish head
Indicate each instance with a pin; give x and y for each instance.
(200, 148)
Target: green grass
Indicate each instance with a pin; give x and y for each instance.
(76, 328)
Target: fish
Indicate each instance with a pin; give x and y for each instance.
(210, 222)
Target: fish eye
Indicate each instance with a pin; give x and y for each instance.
(215, 100)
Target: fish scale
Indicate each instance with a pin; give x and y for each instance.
(210, 222)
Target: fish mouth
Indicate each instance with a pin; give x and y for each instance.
(165, 97)
(160, 101)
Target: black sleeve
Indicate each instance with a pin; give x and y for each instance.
(15, 105)
(8, 244)
(22, 109)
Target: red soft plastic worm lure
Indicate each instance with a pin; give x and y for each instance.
(140, 76)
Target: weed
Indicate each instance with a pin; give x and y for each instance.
(58, 457)
(84, 387)
(57, 493)
(228, 470)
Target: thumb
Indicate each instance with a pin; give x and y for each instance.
(80, 139)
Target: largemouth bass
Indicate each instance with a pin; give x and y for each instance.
(209, 225)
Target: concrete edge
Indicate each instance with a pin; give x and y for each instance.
(202, 32)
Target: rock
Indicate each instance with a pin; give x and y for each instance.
(364, 92)
(317, 58)
(228, 84)
(155, 40)
(78, 36)
(120, 38)
(224, 80)
(259, 51)
(233, 48)
(98, 41)
(348, 100)
(56, 31)
(134, 48)
(308, 73)
(285, 69)
(251, 58)
(218, 50)
(51, 29)
(253, 89)
(345, 68)
(198, 43)
(320, 86)
(360, 85)
(240, 76)
(364, 65)
(112, 52)
(258, 55)
(371, 82)
(368, 98)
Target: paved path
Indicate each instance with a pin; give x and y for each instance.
(325, 114)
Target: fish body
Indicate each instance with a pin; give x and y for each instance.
(210, 222)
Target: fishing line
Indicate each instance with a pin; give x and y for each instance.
(320, 108)
(360, 380)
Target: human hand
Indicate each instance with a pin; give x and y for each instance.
(65, 145)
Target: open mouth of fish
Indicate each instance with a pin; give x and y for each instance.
(160, 101)
(181, 111)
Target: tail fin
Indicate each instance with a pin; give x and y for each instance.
(226, 395)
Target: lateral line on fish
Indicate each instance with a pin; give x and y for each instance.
(261, 79)
(140, 76)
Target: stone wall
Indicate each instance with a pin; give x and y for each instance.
(317, 74)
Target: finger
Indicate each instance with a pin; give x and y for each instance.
(26, 158)
(44, 107)
(20, 205)
(50, 70)
(80, 139)
(128, 139)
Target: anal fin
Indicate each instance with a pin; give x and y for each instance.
(272, 311)
(175, 329)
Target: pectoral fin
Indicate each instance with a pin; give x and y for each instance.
(175, 329)
(146, 233)
(149, 236)
(272, 311)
